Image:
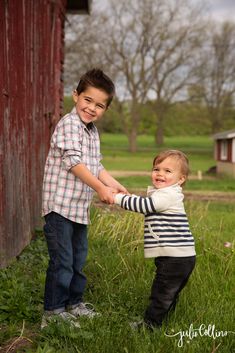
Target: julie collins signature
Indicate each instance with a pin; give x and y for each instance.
(203, 330)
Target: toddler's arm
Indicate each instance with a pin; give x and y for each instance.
(135, 203)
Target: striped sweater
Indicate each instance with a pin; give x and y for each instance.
(166, 228)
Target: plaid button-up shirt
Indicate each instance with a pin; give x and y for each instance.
(72, 143)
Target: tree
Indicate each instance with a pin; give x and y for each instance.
(216, 74)
(175, 40)
(147, 48)
(152, 46)
(82, 47)
(127, 52)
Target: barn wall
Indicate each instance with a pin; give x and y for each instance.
(31, 60)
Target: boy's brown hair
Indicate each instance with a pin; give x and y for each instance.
(180, 156)
(97, 78)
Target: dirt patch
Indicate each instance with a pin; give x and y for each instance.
(18, 343)
(15, 344)
(210, 196)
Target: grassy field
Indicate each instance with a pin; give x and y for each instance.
(119, 280)
(116, 156)
(199, 150)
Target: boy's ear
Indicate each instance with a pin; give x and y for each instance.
(75, 96)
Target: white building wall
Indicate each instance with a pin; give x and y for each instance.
(233, 151)
(226, 168)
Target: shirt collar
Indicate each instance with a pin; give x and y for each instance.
(152, 189)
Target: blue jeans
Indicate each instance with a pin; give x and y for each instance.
(67, 247)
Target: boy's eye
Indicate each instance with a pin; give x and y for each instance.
(168, 170)
(100, 106)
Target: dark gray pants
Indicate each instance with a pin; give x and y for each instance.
(172, 274)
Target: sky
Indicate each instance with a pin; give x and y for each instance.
(220, 10)
(223, 10)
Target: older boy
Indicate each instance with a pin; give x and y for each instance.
(72, 172)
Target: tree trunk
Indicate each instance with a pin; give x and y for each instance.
(132, 139)
(160, 112)
(159, 135)
(216, 123)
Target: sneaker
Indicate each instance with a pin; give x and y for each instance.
(139, 325)
(49, 318)
(83, 309)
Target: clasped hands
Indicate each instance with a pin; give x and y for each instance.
(107, 193)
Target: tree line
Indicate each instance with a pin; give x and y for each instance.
(170, 64)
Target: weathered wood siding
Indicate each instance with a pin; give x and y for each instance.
(31, 62)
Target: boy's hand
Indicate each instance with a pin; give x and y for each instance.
(108, 180)
(113, 190)
(116, 191)
(106, 194)
(121, 189)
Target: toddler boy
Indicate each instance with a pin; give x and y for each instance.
(167, 237)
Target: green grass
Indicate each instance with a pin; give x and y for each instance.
(114, 148)
(119, 280)
(119, 141)
(199, 150)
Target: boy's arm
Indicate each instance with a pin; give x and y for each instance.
(83, 173)
(108, 180)
(135, 203)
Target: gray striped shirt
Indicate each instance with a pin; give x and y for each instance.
(71, 143)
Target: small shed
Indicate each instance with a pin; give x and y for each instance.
(224, 152)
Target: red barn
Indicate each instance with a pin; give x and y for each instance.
(224, 150)
(31, 87)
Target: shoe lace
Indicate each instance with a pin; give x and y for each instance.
(87, 306)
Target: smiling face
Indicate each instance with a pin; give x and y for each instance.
(90, 104)
(168, 172)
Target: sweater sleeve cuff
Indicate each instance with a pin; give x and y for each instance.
(118, 199)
